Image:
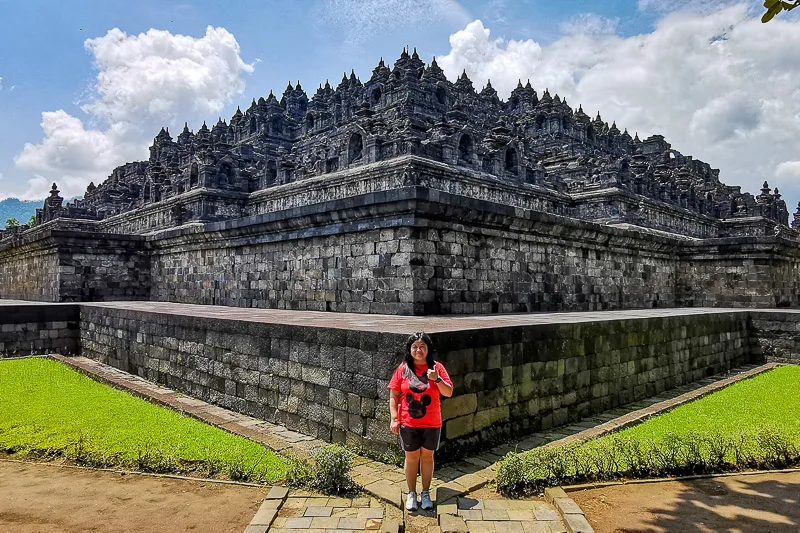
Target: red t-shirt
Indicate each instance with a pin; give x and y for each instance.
(420, 403)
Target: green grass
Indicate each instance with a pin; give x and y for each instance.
(754, 423)
(47, 408)
(769, 399)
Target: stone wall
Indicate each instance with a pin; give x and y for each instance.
(331, 383)
(512, 381)
(325, 382)
(778, 334)
(64, 264)
(38, 329)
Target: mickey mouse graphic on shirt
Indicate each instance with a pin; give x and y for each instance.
(418, 407)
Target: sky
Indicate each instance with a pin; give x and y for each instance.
(86, 85)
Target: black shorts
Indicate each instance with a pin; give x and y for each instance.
(412, 439)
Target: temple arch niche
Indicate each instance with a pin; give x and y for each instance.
(253, 126)
(355, 148)
(376, 96)
(225, 174)
(512, 160)
(271, 173)
(465, 148)
(194, 176)
(441, 95)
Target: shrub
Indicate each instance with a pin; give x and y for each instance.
(329, 472)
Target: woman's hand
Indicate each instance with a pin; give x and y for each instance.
(394, 427)
(432, 374)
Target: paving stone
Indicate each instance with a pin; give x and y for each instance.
(372, 512)
(546, 515)
(470, 503)
(256, 529)
(264, 516)
(509, 527)
(496, 504)
(325, 522)
(277, 493)
(521, 514)
(577, 523)
(535, 527)
(481, 527)
(452, 524)
(447, 508)
(352, 523)
(318, 511)
(567, 506)
(468, 515)
(297, 523)
(524, 505)
(551, 493)
(294, 503)
(385, 490)
(495, 514)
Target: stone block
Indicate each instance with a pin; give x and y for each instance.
(460, 405)
(457, 427)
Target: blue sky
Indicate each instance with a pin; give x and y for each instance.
(45, 66)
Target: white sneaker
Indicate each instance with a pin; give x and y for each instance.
(411, 501)
(425, 498)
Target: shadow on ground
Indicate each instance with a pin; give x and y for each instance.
(764, 503)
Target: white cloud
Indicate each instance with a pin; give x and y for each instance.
(590, 24)
(719, 85)
(1, 83)
(143, 82)
(359, 20)
(701, 6)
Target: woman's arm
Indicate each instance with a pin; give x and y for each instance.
(445, 389)
(394, 404)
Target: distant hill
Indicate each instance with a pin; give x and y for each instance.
(14, 208)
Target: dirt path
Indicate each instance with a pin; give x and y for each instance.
(762, 502)
(39, 498)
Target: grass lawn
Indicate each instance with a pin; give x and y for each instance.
(48, 408)
(769, 399)
(754, 423)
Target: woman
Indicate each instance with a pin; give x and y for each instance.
(415, 405)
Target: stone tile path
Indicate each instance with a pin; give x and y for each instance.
(508, 516)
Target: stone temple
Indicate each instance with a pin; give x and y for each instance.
(407, 194)
(411, 195)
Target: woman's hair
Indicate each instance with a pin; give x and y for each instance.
(411, 340)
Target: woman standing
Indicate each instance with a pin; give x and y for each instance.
(415, 405)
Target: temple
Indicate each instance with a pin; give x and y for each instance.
(410, 194)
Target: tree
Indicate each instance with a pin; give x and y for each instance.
(12, 223)
(774, 7)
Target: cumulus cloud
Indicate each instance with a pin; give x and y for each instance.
(719, 85)
(359, 20)
(143, 82)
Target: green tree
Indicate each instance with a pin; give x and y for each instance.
(773, 7)
(12, 223)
